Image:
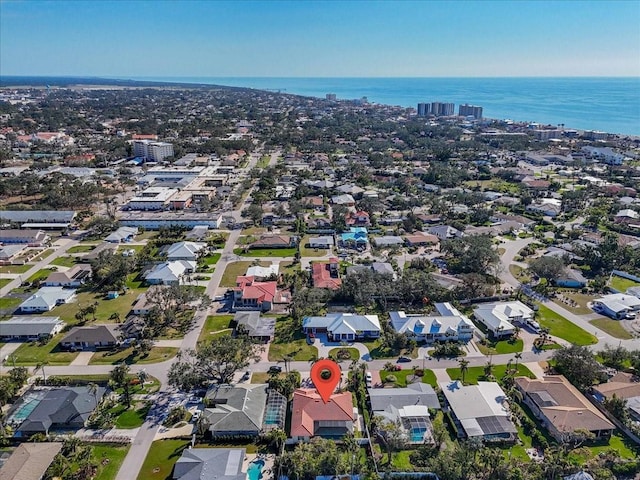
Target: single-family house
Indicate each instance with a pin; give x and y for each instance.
(386, 241)
(207, 463)
(29, 461)
(480, 411)
(551, 207)
(562, 409)
(30, 328)
(622, 385)
(235, 410)
(344, 199)
(626, 216)
(255, 326)
(170, 273)
(343, 326)
(383, 268)
(311, 417)
(10, 252)
(53, 409)
(250, 294)
(445, 232)
(357, 219)
(46, 299)
(122, 234)
(571, 278)
(325, 242)
(421, 239)
(326, 274)
(75, 277)
(32, 238)
(188, 251)
(91, 337)
(275, 241)
(618, 306)
(356, 237)
(448, 325)
(499, 318)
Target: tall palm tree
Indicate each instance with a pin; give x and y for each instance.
(464, 367)
(518, 356)
(40, 366)
(93, 390)
(488, 369)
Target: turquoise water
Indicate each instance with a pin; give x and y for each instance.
(254, 472)
(30, 403)
(588, 103)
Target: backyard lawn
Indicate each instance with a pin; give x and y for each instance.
(104, 309)
(621, 284)
(161, 458)
(65, 261)
(290, 341)
(612, 327)
(10, 303)
(214, 323)
(114, 453)
(503, 346)
(475, 374)
(115, 357)
(561, 327)
(32, 354)
(266, 252)
(233, 270)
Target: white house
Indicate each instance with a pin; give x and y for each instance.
(499, 317)
(47, 298)
(169, 273)
(618, 306)
(449, 325)
(184, 251)
(122, 234)
(343, 326)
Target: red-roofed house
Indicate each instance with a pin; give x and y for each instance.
(311, 417)
(252, 295)
(326, 275)
(358, 219)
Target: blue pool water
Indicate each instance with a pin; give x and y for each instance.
(254, 472)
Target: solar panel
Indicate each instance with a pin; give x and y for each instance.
(494, 425)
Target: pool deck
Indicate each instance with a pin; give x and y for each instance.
(267, 470)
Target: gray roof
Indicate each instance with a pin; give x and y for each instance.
(44, 216)
(413, 394)
(208, 463)
(92, 334)
(256, 325)
(387, 240)
(8, 251)
(64, 407)
(48, 297)
(26, 326)
(384, 268)
(235, 409)
(121, 234)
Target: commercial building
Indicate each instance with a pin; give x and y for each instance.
(153, 198)
(440, 109)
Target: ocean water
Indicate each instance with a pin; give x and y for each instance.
(586, 103)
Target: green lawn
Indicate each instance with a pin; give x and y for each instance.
(10, 303)
(104, 309)
(561, 327)
(65, 261)
(263, 377)
(32, 354)
(400, 375)
(5, 281)
(376, 350)
(264, 161)
(354, 354)
(40, 275)
(157, 354)
(211, 259)
(132, 418)
(289, 340)
(612, 327)
(161, 458)
(475, 374)
(581, 300)
(41, 255)
(15, 268)
(430, 378)
(81, 248)
(108, 457)
(266, 252)
(621, 284)
(214, 323)
(501, 347)
(233, 270)
(311, 252)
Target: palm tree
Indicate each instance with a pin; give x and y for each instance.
(488, 369)
(40, 366)
(464, 367)
(518, 356)
(93, 390)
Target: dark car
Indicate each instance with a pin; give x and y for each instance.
(404, 359)
(274, 369)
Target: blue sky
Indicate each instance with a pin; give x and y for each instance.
(321, 39)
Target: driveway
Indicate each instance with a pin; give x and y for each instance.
(324, 346)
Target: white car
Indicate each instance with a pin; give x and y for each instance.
(368, 379)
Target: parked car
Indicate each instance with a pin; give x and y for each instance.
(368, 379)
(195, 416)
(246, 376)
(274, 369)
(404, 359)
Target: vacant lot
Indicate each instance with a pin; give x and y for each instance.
(612, 327)
(161, 458)
(15, 268)
(213, 324)
(266, 252)
(115, 357)
(290, 341)
(65, 261)
(503, 346)
(81, 248)
(561, 327)
(105, 308)
(475, 374)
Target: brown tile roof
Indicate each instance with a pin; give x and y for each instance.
(322, 278)
(563, 405)
(29, 461)
(622, 385)
(308, 408)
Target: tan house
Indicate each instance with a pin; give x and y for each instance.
(562, 409)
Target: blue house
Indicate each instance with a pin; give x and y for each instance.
(356, 237)
(571, 278)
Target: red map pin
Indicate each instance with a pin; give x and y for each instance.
(325, 375)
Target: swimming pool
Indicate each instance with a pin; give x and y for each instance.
(254, 472)
(29, 402)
